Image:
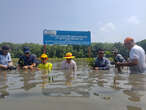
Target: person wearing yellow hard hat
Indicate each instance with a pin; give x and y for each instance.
(137, 58)
(69, 63)
(45, 65)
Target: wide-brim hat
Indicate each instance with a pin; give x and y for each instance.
(69, 55)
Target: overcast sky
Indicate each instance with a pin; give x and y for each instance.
(108, 20)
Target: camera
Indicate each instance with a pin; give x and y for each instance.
(11, 68)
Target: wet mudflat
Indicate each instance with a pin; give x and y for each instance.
(60, 90)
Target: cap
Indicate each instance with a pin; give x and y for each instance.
(5, 47)
(26, 50)
(128, 39)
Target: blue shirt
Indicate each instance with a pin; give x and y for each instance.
(25, 61)
(102, 64)
(5, 59)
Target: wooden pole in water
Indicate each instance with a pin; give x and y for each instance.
(89, 52)
(44, 42)
(44, 51)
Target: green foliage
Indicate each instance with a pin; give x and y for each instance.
(58, 51)
(142, 44)
(111, 59)
(121, 49)
(108, 54)
(91, 62)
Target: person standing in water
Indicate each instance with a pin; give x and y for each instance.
(69, 63)
(101, 63)
(137, 58)
(117, 58)
(45, 65)
(69, 68)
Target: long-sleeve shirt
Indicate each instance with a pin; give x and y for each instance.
(71, 66)
(102, 63)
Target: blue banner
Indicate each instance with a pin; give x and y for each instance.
(66, 37)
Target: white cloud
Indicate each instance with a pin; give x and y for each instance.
(133, 20)
(108, 27)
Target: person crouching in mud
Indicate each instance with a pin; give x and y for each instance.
(27, 61)
(5, 59)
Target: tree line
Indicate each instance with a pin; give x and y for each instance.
(58, 51)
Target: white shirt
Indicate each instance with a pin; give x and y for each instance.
(138, 53)
(70, 66)
(5, 59)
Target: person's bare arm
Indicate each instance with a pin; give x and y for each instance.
(130, 63)
(10, 63)
(3, 66)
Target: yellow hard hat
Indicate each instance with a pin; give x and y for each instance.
(44, 56)
(69, 55)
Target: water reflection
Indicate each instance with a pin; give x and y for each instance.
(28, 78)
(133, 108)
(3, 84)
(107, 86)
(69, 76)
(44, 78)
(137, 86)
(47, 78)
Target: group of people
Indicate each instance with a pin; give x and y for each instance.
(29, 61)
(136, 61)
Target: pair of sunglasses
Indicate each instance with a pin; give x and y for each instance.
(43, 58)
(101, 52)
(27, 53)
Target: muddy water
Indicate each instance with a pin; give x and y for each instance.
(61, 90)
